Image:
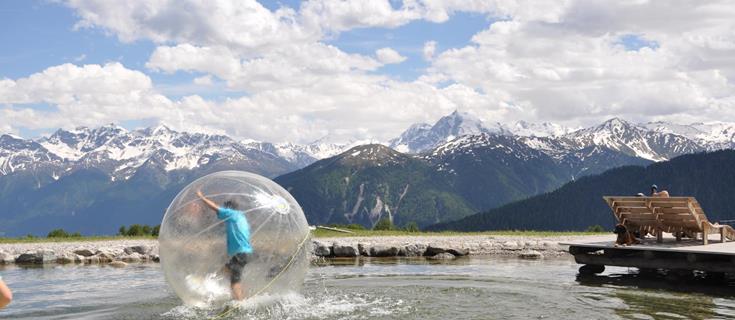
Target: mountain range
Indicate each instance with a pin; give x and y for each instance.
(468, 167)
(458, 166)
(655, 141)
(120, 153)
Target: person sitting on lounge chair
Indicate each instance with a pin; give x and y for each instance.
(656, 193)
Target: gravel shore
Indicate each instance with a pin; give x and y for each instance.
(109, 245)
(477, 244)
(440, 247)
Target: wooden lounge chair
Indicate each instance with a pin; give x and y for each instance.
(676, 215)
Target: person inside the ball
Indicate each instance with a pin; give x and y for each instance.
(239, 250)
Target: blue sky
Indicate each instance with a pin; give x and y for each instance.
(55, 41)
(244, 67)
(35, 45)
(43, 34)
(409, 40)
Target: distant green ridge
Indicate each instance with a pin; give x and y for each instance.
(710, 177)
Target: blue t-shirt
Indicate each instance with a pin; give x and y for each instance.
(238, 231)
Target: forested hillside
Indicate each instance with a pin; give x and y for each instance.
(371, 182)
(710, 177)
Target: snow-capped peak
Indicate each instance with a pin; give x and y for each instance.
(371, 155)
(717, 135)
(544, 129)
(11, 135)
(617, 134)
(720, 133)
(635, 140)
(160, 129)
(459, 124)
(420, 137)
(665, 127)
(616, 126)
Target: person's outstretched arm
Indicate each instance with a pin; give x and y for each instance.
(5, 295)
(208, 202)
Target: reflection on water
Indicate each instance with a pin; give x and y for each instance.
(654, 296)
(472, 288)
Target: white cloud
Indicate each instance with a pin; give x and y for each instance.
(335, 16)
(569, 66)
(80, 95)
(217, 60)
(70, 83)
(203, 81)
(298, 65)
(243, 25)
(429, 50)
(389, 56)
(92, 95)
(551, 61)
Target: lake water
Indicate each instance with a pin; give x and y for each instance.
(470, 288)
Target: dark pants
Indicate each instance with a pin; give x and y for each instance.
(236, 264)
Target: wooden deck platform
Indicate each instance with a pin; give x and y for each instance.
(684, 255)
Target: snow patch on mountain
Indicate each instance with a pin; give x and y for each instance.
(544, 129)
(421, 137)
(715, 135)
(120, 152)
(619, 135)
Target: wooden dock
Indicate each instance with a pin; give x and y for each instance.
(683, 256)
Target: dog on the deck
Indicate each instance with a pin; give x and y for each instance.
(625, 236)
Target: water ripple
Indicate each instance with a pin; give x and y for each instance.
(379, 289)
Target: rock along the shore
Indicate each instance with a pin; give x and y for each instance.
(383, 251)
(442, 256)
(321, 249)
(434, 249)
(40, 256)
(84, 252)
(530, 255)
(344, 250)
(118, 264)
(140, 249)
(6, 258)
(363, 249)
(412, 250)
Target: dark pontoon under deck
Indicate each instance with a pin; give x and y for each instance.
(684, 255)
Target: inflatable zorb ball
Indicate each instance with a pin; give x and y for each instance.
(193, 241)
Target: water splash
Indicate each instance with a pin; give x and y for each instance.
(295, 306)
(212, 285)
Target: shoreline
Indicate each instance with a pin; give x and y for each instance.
(123, 251)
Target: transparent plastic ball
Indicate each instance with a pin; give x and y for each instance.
(193, 240)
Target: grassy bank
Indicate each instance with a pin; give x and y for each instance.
(320, 233)
(73, 239)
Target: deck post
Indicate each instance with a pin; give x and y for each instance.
(722, 235)
(705, 233)
(659, 235)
